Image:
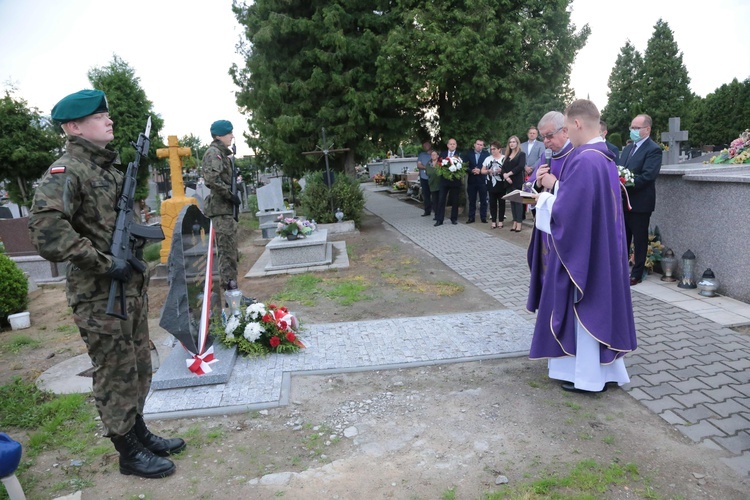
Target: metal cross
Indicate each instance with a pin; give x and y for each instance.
(325, 151)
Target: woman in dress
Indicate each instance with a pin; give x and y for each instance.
(515, 161)
(496, 185)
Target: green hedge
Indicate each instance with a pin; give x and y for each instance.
(15, 288)
(346, 195)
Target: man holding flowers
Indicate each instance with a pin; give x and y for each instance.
(451, 173)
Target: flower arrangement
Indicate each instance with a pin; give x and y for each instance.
(451, 168)
(378, 178)
(625, 175)
(292, 226)
(654, 252)
(260, 330)
(400, 185)
(737, 152)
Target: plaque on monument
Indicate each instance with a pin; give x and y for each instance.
(192, 299)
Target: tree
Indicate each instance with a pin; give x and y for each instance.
(197, 150)
(476, 68)
(722, 115)
(625, 98)
(129, 109)
(666, 85)
(310, 64)
(28, 145)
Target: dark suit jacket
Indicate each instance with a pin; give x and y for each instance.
(615, 150)
(645, 165)
(471, 158)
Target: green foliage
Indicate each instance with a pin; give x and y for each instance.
(129, 109)
(152, 251)
(197, 150)
(625, 91)
(28, 145)
(615, 139)
(15, 288)
(461, 69)
(346, 195)
(666, 84)
(301, 288)
(380, 74)
(721, 116)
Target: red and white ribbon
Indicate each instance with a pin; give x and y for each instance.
(198, 364)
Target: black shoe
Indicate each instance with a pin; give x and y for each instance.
(434, 218)
(484, 221)
(157, 445)
(137, 460)
(570, 387)
(470, 221)
(426, 215)
(454, 222)
(439, 223)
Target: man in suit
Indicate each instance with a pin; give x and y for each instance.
(476, 182)
(449, 190)
(603, 133)
(643, 158)
(532, 148)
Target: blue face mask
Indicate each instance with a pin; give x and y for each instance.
(635, 135)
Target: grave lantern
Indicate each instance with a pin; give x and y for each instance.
(668, 265)
(339, 215)
(688, 270)
(708, 284)
(234, 299)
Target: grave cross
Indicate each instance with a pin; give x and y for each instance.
(325, 151)
(673, 138)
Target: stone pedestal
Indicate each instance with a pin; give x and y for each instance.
(313, 250)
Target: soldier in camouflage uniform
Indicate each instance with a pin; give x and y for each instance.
(72, 219)
(218, 172)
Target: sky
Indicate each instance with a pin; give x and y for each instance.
(182, 50)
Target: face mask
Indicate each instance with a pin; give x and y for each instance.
(635, 135)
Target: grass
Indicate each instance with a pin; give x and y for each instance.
(300, 288)
(307, 289)
(417, 285)
(17, 343)
(152, 251)
(66, 329)
(349, 291)
(586, 480)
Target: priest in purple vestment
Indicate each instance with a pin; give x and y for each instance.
(584, 312)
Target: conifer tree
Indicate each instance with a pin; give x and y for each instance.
(625, 96)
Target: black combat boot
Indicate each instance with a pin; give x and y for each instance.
(155, 444)
(139, 461)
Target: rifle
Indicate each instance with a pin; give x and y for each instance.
(236, 210)
(127, 232)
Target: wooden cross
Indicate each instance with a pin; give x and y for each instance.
(325, 151)
(673, 138)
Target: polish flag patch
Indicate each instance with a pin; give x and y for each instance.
(57, 170)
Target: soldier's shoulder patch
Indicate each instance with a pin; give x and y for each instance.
(219, 157)
(57, 170)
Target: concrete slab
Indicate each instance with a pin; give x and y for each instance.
(340, 260)
(173, 371)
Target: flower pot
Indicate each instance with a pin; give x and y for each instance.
(291, 237)
(20, 320)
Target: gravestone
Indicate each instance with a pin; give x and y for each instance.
(312, 250)
(185, 313)
(14, 233)
(674, 137)
(271, 207)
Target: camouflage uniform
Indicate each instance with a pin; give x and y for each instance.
(217, 172)
(72, 219)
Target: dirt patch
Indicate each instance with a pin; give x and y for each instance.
(410, 433)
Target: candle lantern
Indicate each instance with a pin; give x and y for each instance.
(233, 299)
(339, 215)
(688, 270)
(708, 284)
(668, 265)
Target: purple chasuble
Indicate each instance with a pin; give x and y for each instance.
(540, 244)
(586, 274)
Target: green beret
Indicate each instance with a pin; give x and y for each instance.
(221, 127)
(79, 105)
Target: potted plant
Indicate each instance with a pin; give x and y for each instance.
(14, 298)
(292, 228)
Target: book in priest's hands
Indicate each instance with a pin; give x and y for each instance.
(519, 196)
